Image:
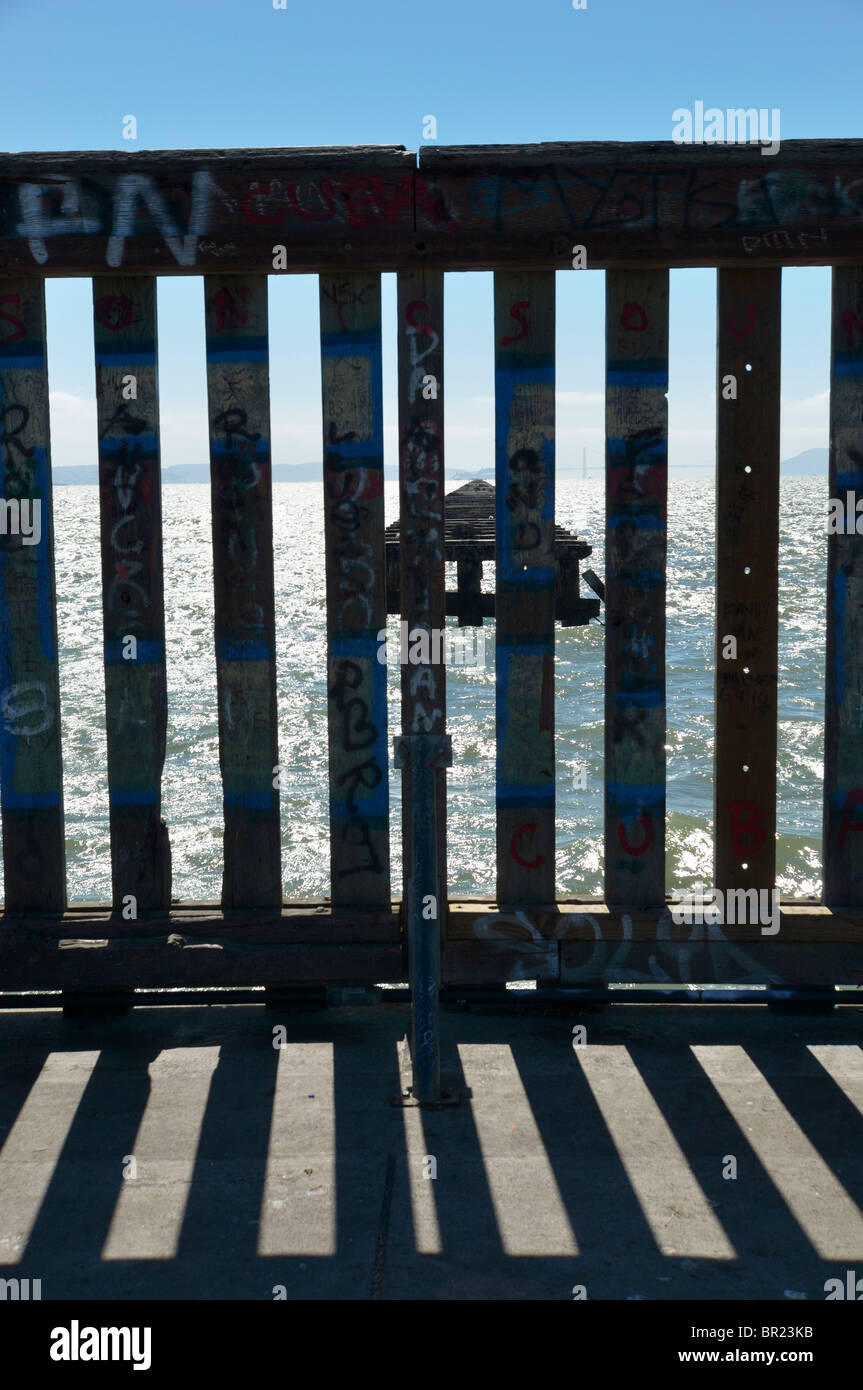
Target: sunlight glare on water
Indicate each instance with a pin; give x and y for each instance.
(192, 793)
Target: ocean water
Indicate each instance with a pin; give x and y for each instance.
(192, 792)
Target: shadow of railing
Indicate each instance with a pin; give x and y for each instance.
(259, 1169)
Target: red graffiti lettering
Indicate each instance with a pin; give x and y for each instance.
(410, 315)
(363, 201)
(224, 304)
(257, 193)
(12, 318)
(747, 831)
(854, 798)
(633, 316)
(340, 295)
(750, 324)
(367, 201)
(646, 823)
(325, 195)
(114, 311)
(851, 323)
(529, 829)
(431, 203)
(515, 312)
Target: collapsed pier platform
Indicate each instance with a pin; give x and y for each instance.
(470, 540)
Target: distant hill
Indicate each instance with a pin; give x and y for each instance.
(811, 463)
(200, 473)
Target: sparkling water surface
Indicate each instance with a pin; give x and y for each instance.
(192, 792)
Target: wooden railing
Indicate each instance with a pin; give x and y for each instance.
(237, 217)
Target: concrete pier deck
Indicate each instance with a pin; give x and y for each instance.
(176, 1153)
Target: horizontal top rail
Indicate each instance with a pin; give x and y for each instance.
(645, 203)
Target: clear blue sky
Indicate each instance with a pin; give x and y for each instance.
(222, 73)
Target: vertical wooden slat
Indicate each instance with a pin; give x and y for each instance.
(31, 772)
(636, 489)
(843, 734)
(239, 407)
(422, 576)
(524, 603)
(356, 591)
(747, 576)
(133, 609)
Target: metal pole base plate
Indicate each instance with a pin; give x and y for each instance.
(406, 1099)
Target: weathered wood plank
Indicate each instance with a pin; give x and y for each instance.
(31, 770)
(658, 964)
(636, 489)
(81, 967)
(712, 961)
(133, 609)
(469, 919)
(314, 923)
(239, 408)
(356, 589)
(203, 211)
(422, 575)
(747, 577)
(706, 960)
(159, 964)
(524, 590)
(843, 731)
(639, 203)
(742, 917)
(491, 961)
(482, 207)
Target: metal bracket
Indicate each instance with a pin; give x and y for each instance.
(437, 747)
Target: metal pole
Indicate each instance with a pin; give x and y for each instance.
(419, 755)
